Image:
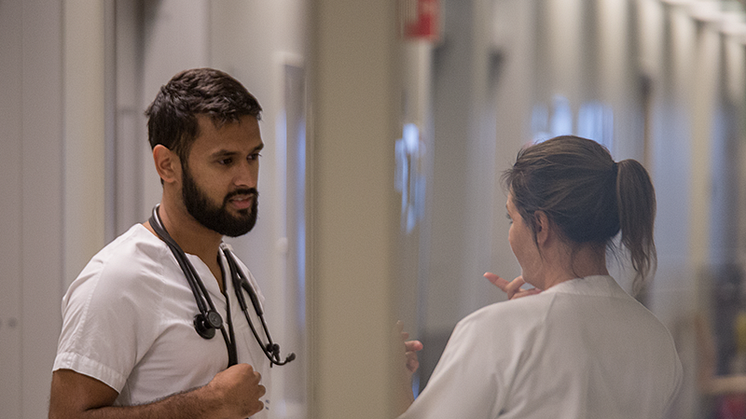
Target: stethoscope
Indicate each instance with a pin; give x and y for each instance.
(208, 320)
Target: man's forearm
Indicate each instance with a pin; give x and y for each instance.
(191, 404)
(232, 393)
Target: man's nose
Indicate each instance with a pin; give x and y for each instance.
(246, 174)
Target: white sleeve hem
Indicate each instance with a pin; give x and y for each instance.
(91, 368)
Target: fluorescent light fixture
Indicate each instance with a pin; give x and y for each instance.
(677, 2)
(733, 24)
(707, 11)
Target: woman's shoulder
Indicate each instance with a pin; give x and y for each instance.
(527, 304)
(512, 316)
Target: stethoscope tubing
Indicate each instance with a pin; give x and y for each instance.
(205, 304)
(201, 296)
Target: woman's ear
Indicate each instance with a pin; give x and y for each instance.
(543, 227)
(167, 164)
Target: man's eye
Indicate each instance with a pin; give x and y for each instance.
(254, 156)
(507, 215)
(225, 162)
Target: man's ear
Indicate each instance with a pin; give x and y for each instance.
(167, 164)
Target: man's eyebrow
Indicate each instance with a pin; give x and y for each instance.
(230, 153)
(224, 153)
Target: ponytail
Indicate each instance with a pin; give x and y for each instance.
(636, 203)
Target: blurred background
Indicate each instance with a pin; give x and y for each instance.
(388, 125)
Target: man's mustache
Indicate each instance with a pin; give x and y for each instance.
(245, 191)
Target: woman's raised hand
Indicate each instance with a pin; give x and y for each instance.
(511, 288)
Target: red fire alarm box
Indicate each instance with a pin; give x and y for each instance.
(420, 19)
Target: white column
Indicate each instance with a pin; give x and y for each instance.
(353, 207)
(83, 84)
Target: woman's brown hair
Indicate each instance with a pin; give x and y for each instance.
(580, 188)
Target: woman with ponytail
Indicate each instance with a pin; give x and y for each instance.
(577, 346)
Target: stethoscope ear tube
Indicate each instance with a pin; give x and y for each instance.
(186, 266)
(208, 319)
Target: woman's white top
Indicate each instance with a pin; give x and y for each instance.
(581, 349)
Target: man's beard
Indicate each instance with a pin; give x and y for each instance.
(216, 218)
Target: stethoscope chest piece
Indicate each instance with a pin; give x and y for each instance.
(206, 324)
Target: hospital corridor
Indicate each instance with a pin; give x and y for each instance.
(387, 129)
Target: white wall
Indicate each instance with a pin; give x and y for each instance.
(11, 183)
(32, 172)
(463, 187)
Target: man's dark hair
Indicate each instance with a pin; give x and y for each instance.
(172, 117)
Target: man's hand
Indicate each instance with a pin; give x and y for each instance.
(511, 288)
(239, 389)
